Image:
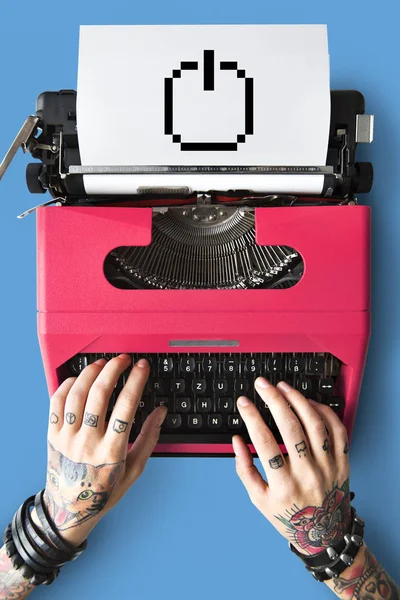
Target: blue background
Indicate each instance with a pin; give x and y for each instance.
(187, 528)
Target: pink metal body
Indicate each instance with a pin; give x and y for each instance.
(327, 311)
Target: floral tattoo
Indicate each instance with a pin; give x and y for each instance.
(313, 528)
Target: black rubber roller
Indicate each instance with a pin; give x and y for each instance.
(33, 172)
(364, 178)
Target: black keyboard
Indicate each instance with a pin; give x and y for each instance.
(200, 389)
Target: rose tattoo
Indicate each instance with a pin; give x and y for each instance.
(314, 528)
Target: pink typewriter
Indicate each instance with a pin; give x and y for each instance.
(213, 284)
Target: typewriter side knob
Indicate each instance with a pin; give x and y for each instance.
(33, 174)
(364, 177)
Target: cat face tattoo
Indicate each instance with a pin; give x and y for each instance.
(75, 491)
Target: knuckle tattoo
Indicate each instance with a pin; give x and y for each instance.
(91, 420)
(70, 418)
(53, 418)
(276, 462)
(120, 426)
(302, 449)
(325, 446)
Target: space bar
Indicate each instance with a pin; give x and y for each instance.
(205, 438)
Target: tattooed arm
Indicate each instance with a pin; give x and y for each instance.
(12, 585)
(365, 580)
(89, 467)
(307, 496)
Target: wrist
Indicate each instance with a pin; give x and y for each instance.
(335, 559)
(350, 576)
(74, 536)
(313, 550)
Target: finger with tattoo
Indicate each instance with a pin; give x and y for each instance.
(263, 440)
(317, 433)
(127, 402)
(286, 420)
(337, 440)
(57, 404)
(77, 396)
(99, 395)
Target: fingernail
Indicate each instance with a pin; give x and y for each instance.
(243, 401)
(142, 363)
(282, 385)
(101, 362)
(261, 382)
(124, 356)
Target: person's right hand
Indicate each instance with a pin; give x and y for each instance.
(307, 495)
(89, 466)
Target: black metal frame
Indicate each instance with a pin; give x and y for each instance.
(57, 126)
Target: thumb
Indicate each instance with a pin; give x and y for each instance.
(144, 445)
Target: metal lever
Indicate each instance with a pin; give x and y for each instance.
(56, 201)
(24, 136)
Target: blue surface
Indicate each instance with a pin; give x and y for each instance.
(187, 530)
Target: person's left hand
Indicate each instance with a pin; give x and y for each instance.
(89, 466)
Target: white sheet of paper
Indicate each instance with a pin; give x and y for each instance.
(202, 95)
